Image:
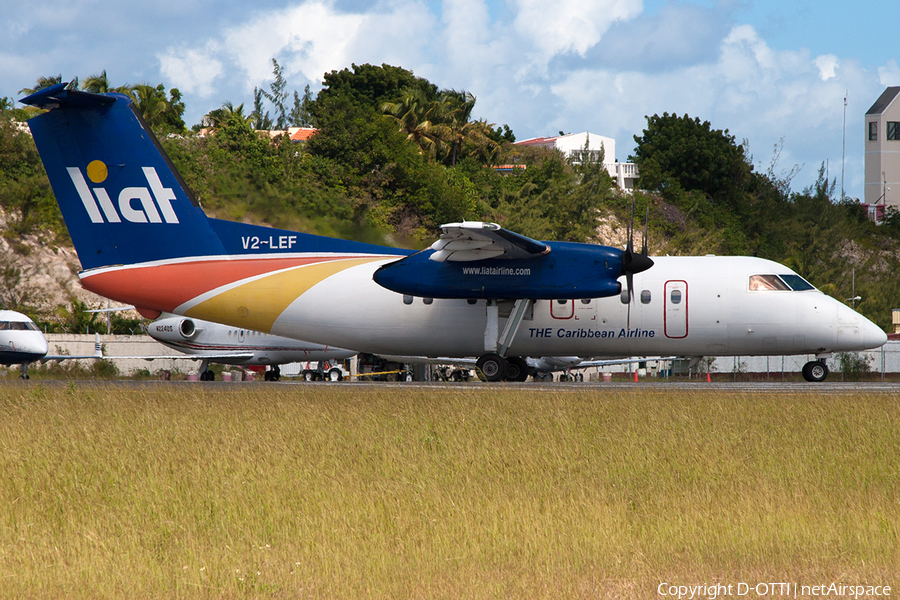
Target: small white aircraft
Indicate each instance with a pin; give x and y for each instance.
(213, 342)
(22, 343)
(479, 291)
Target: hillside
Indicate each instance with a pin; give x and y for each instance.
(373, 176)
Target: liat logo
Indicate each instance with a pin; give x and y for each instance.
(135, 204)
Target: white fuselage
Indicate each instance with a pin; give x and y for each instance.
(686, 306)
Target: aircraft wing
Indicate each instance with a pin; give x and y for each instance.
(209, 357)
(585, 364)
(472, 362)
(430, 360)
(98, 354)
(474, 240)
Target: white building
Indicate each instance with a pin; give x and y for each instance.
(575, 145)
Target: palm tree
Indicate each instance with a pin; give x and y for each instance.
(42, 82)
(454, 114)
(414, 114)
(218, 118)
(151, 102)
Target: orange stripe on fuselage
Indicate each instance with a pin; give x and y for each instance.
(164, 287)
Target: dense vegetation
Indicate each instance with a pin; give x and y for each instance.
(395, 156)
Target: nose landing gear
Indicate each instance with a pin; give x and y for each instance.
(815, 371)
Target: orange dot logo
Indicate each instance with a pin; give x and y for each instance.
(97, 171)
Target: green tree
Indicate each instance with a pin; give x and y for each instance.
(690, 153)
(301, 113)
(278, 96)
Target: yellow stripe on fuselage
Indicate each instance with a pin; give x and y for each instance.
(256, 304)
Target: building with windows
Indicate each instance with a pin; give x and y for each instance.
(577, 145)
(883, 151)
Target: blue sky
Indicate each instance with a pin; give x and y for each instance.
(773, 73)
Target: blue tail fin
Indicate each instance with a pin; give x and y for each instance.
(121, 198)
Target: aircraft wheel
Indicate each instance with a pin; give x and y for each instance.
(335, 375)
(565, 377)
(516, 369)
(493, 366)
(815, 371)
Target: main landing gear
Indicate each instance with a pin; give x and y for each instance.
(815, 371)
(494, 367)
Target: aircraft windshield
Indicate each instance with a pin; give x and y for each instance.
(782, 283)
(17, 326)
(797, 283)
(760, 283)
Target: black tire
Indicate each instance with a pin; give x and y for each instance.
(492, 366)
(335, 375)
(516, 369)
(815, 371)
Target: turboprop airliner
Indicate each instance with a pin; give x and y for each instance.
(224, 344)
(479, 291)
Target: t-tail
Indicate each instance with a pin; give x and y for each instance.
(121, 198)
(140, 234)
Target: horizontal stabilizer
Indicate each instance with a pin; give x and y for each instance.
(57, 95)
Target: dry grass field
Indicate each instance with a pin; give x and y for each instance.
(163, 490)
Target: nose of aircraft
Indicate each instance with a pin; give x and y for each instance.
(35, 344)
(872, 335)
(856, 330)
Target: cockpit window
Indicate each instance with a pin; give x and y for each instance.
(797, 283)
(18, 326)
(759, 283)
(783, 283)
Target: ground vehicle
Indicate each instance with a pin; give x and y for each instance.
(326, 370)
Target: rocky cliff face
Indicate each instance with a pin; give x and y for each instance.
(38, 274)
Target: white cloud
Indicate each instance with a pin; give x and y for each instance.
(192, 71)
(569, 25)
(889, 74)
(827, 64)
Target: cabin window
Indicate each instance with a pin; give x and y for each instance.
(760, 283)
(675, 297)
(645, 297)
(407, 299)
(893, 130)
(427, 300)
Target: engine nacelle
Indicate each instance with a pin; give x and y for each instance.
(173, 329)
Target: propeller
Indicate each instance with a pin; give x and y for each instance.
(633, 262)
